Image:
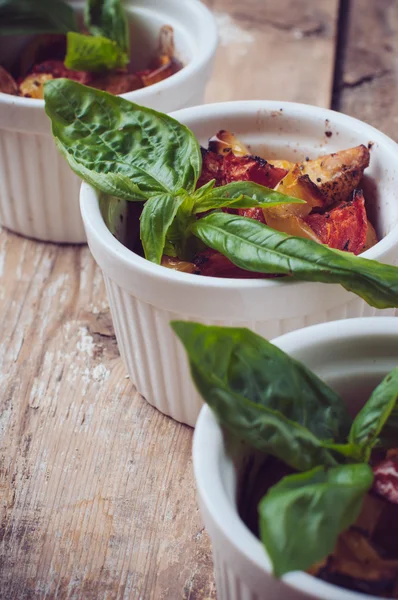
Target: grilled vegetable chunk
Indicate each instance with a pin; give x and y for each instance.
(337, 175)
(251, 168)
(213, 264)
(33, 85)
(225, 168)
(225, 141)
(344, 227)
(8, 85)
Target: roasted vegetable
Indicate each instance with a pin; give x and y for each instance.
(225, 168)
(212, 168)
(33, 85)
(178, 265)
(224, 142)
(214, 264)
(8, 85)
(344, 227)
(337, 175)
(292, 225)
(116, 82)
(386, 479)
(252, 213)
(151, 76)
(57, 69)
(252, 168)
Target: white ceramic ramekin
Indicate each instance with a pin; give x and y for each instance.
(38, 191)
(145, 297)
(352, 356)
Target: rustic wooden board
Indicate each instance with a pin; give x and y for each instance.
(369, 82)
(96, 488)
(278, 50)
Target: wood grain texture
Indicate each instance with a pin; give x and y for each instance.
(278, 50)
(97, 496)
(369, 84)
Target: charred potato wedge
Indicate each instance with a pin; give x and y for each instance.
(337, 175)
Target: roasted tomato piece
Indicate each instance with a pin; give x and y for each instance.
(211, 263)
(226, 168)
(251, 168)
(212, 168)
(252, 213)
(57, 69)
(337, 175)
(344, 227)
(385, 482)
(8, 85)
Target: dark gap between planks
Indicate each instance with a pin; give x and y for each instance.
(340, 51)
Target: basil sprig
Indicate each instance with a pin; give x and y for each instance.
(280, 407)
(107, 18)
(137, 154)
(376, 424)
(108, 45)
(25, 17)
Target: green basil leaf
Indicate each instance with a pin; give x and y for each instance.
(114, 184)
(370, 421)
(89, 53)
(107, 18)
(302, 516)
(255, 247)
(157, 216)
(263, 395)
(241, 194)
(23, 17)
(120, 147)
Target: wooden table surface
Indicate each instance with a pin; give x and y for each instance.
(97, 494)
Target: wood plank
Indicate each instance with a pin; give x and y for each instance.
(369, 86)
(97, 494)
(275, 50)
